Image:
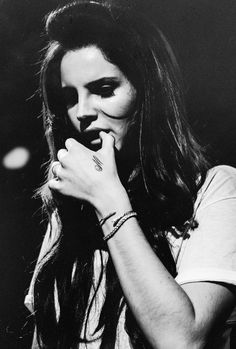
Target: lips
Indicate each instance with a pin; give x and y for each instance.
(91, 138)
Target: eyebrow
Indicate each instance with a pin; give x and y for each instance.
(97, 83)
(104, 80)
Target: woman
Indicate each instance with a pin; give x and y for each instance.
(140, 248)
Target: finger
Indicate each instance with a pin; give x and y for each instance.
(61, 154)
(54, 184)
(70, 143)
(54, 168)
(108, 141)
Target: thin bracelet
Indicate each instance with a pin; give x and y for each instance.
(119, 224)
(116, 221)
(103, 220)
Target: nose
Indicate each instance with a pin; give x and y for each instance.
(86, 108)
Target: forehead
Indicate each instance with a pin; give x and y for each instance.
(86, 64)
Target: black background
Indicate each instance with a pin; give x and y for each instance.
(203, 35)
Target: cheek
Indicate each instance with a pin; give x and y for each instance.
(71, 114)
(120, 105)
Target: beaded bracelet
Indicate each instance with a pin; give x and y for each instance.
(119, 222)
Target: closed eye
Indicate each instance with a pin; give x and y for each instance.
(104, 91)
(104, 87)
(69, 96)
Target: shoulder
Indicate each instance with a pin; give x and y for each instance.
(220, 175)
(209, 251)
(220, 184)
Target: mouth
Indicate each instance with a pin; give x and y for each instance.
(91, 138)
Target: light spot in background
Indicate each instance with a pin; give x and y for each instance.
(16, 158)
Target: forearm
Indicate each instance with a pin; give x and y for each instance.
(159, 304)
(169, 315)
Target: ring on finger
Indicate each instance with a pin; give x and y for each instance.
(53, 170)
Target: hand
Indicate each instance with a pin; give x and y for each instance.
(85, 174)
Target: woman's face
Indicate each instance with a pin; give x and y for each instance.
(97, 95)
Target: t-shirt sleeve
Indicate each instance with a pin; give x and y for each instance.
(49, 239)
(210, 252)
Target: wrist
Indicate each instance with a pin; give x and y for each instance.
(113, 200)
(117, 223)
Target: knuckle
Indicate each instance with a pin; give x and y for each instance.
(51, 184)
(61, 154)
(59, 173)
(54, 163)
(55, 185)
(70, 143)
(54, 167)
(112, 138)
(102, 134)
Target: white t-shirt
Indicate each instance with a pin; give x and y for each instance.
(207, 253)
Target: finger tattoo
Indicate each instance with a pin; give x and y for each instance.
(98, 163)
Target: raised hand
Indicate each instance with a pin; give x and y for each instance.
(85, 174)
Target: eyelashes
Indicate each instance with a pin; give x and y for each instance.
(104, 87)
(70, 96)
(104, 91)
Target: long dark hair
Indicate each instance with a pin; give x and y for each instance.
(166, 169)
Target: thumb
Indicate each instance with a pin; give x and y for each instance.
(108, 141)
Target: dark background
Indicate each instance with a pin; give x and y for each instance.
(203, 35)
